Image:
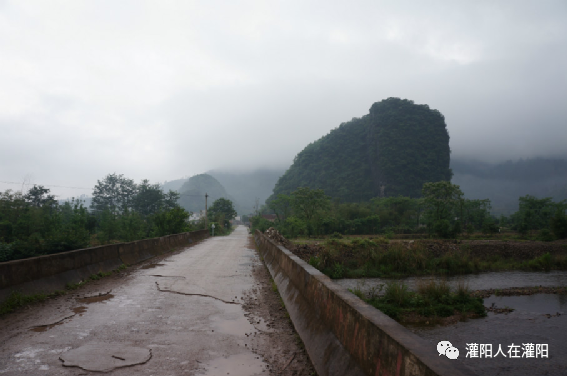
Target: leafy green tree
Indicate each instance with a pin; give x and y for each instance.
(148, 199)
(559, 225)
(38, 196)
(535, 214)
(172, 221)
(308, 205)
(221, 206)
(281, 205)
(442, 199)
(115, 193)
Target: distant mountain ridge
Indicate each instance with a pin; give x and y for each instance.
(503, 183)
(193, 190)
(242, 188)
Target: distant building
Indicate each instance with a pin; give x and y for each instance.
(269, 217)
(196, 217)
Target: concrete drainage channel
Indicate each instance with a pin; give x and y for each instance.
(342, 334)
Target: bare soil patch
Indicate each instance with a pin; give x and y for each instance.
(278, 343)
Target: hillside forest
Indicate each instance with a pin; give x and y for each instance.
(392, 151)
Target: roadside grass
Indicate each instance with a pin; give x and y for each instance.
(366, 258)
(17, 299)
(431, 300)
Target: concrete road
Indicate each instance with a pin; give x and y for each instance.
(185, 314)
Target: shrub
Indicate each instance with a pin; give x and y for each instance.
(338, 271)
(336, 235)
(545, 235)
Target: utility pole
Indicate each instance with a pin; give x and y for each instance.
(206, 218)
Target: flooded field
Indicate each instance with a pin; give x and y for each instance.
(480, 281)
(539, 319)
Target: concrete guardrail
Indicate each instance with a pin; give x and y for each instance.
(52, 272)
(342, 334)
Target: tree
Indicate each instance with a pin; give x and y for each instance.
(281, 206)
(172, 221)
(38, 196)
(308, 204)
(442, 199)
(115, 193)
(221, 206)
(149, 198)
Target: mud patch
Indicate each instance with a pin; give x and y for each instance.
(243, 364)
(151, 266)
(105, 357)
(95, 298)
(277, 342)
(79, 310)
(45, 327)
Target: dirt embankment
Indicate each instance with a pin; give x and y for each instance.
(517, 250)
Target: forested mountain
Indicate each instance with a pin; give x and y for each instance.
(193, 192)
(504, 182)
(391, 151)
(174, 185)
(246, 187)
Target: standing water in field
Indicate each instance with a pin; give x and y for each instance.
(480, 281)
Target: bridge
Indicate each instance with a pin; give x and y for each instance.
(209, 308)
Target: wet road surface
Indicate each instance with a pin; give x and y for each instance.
(185, 314)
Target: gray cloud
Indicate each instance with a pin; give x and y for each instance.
(169, 89)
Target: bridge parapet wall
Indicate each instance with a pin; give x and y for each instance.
(344, 335)
(52, 272)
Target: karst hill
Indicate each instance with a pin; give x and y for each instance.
(391, 151)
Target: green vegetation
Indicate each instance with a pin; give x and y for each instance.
(220, 214)
(432, 299)
(35, 224)
(391, 151)
(441, 212)
(365, 258)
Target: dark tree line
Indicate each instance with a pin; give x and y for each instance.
(442, 211)
(35, 223)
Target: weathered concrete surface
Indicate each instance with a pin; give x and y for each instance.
(342, 334)
(105, 357)
(52, 272)
(195, 323)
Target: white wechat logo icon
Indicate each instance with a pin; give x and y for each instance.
(447, 349)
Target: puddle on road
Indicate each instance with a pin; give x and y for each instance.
(232, 321)
(238, 327)
(245, 364)
(150, 266)
(95, 299)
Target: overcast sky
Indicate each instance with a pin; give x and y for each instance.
(167, 89)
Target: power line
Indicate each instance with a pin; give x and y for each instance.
(43, 185)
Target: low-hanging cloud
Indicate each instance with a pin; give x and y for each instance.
(161, 90)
